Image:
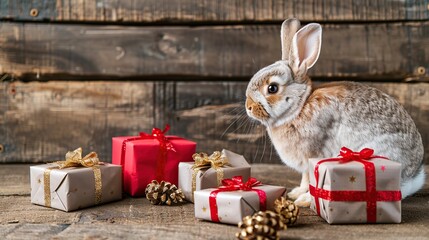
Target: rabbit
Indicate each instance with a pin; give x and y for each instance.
(305, 122)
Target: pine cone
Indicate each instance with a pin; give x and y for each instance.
(287, 209)
(260, 226)
(163, 193)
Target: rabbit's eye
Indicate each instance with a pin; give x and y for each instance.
(273, 88)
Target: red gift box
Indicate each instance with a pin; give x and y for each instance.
(148, 157)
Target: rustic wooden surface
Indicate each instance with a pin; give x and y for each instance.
(208, 11)
(135, 218)
(31, 51)
(41, 121)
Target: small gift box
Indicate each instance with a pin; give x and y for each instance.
(209, 171)
(75, 183)
(356, 187)
(150, 157)
(235, 199)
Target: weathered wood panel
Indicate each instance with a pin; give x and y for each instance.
(397, 51)
(41, 121)
(208, 11)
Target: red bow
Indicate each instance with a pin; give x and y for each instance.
(236, 183)
(348, 155)
(159, 135)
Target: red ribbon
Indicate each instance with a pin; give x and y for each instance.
(371, 195)
(164, 146)
(234, 184)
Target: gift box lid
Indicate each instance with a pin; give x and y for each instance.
(235, 160)
(351, 175)
(149, 140)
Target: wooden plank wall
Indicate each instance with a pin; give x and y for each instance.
(44, 51)
(76, 73)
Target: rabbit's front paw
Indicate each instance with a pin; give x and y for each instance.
(303, 200)
(296, 192)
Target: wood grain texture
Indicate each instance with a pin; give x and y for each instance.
(393, 51)
(136, 218)
(41, 121)
(15, 180)
(212, 11)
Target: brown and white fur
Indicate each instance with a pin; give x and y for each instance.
(305, 122)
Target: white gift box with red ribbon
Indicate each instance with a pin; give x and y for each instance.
(356, 187)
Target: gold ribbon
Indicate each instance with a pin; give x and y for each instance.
(47, 186)
(203, 161)
(74, 159)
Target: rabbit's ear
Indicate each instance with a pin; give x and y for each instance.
(288, 30)
(305, 48)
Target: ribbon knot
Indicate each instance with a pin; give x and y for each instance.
(215, 161)
(348, 155)
(159, 135)
(236, 183)
(75, 159)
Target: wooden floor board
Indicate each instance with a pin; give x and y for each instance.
(136, 218)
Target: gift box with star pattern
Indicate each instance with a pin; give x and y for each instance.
(230, 206)
(75, 187)
(356, 190)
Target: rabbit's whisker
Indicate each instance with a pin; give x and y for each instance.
(242, 122)
(233, 122)
(271, 144)
(265, 144)
(246, 127)
(256, 154)
(239, 107)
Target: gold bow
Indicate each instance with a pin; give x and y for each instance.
(202, 161)
(74, 159)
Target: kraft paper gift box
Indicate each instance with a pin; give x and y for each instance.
(232, 205)
(74, 188)
(150, 157)
(205, 175)
(356, 187)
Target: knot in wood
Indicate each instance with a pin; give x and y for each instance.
(34, 12)
(421, 71)
(168, 46)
